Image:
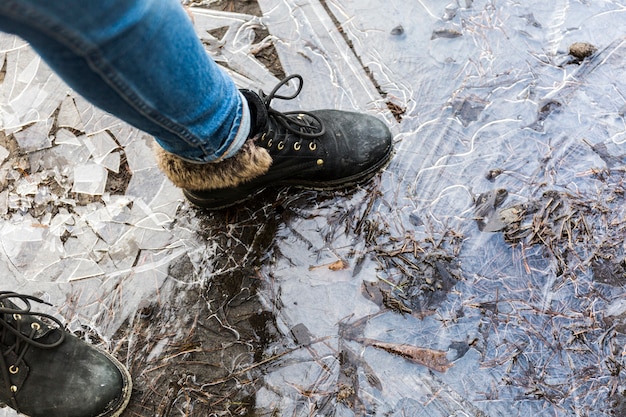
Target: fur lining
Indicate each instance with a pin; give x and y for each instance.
(250, 162)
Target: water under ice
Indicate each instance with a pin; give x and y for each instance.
(481, 274)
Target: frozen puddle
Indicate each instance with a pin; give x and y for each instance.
(480, 275)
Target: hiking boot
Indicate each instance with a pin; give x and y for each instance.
(47, 372)
(320, 150)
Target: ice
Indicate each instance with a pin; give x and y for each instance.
(480, 97)
(14, 238)
(239, 37)
(34, 137)
(26, 186)
(89, 179)
(65, 137)
(4, 153)
(139, 153)
(313, 43)
(68, 115)
(78, 269)
(112, 162)
(101, 147)
(29, 91)
(27, 74)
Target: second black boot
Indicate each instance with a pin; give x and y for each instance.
(321, 149)
(48, 372)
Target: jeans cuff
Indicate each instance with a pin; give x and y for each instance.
(243, 133)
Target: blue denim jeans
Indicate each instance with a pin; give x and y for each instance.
(141, 61)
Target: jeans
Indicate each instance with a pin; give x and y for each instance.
(141, 61)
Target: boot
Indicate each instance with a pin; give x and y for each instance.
(321, 150)
(47, 372)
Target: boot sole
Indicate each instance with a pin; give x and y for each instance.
(118, 408)
(209, 204)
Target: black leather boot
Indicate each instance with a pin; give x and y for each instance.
(322, 149)
(47, 372)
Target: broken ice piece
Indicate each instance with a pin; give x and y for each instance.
(123, 133)
(100, 145)
(111, 162)
(139, 155)
(80, 268)
(64, 136)
(61, 223)
(34, 137)
(4, 153)
(28, 72)
(26, 186)
(69, 115)
(89, 179)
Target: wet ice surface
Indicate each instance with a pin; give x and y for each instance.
(480, 274)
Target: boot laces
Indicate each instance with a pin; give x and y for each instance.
(17, 334)
(293, 121)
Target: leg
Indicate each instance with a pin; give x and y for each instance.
(141, 61)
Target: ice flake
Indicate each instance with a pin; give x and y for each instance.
(66, 137)
(124, 133)
(93, 119)
(108, 225)
(80, 268)
(139, 153)
(27, 74)
(14, 234)
(82, 239)
(89, 179)
(34, 137)
(100, 146)
(26, 186)
(68, 114)
(4, 153)
(111, 162)
(147, 184)
(247, 71)
(60, 224)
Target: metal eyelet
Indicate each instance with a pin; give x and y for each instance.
(297, 146)
(13, 388)
(14, 369)
(35, 326)
(281, 145)
(264, 135)
(320, 162)
(312, 146)
(269, 143)
(17, 317)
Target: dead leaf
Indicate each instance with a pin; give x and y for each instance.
(333, 266)
(431, 358)
(338, 265)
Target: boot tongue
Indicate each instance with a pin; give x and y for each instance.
(258, 112)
